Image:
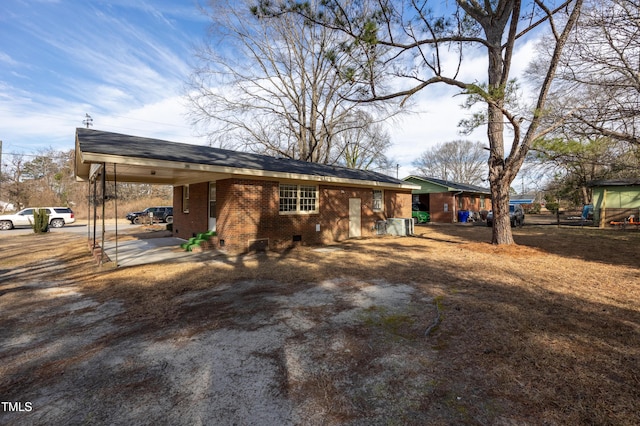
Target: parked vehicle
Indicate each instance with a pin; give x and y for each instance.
(516, 215)
(155, 214)
(58, 217)
(419, 211)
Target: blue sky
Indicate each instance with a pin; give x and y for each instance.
(125, 62)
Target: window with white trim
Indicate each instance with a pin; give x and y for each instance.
(298, 199)
(378, 197)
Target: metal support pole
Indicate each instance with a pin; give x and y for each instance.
(95, 212)
(115, 200)
(104, 187)
(89, 214)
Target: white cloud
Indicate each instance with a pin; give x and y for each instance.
(7, 59)
(438, 110)
(165, 119)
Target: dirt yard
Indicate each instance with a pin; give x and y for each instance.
(437, 329)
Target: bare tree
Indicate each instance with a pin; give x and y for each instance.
(268, 83)
(598, 77)
(418, 44)
(361, 143)
(459, 161)
(575, 162)
(16, 191)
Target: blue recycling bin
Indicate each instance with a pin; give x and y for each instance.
(463, 216)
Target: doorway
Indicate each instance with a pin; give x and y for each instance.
(212, 206)
(355, 217)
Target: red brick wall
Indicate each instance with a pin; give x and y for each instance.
(247, 210)
(436, 202)
(397, 203)
(186, 225)
(472, 202)
(334, 210)
(436, 207)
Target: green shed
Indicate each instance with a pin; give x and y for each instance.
(615, 200)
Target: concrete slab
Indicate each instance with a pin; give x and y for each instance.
(150, 250)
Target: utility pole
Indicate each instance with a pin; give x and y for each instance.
(88, 121)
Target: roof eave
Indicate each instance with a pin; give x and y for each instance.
(449, 188)
(91, 157)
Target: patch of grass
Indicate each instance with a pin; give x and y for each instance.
(394, 323)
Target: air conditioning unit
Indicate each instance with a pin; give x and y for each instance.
(399, 226)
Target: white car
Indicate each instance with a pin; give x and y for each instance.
(58, 217)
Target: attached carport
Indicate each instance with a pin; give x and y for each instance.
(97, 162)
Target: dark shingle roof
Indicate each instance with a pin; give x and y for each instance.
(453, 185)
(615, 182)
(108, 143)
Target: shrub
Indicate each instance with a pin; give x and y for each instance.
(553, 207)
(40, 221)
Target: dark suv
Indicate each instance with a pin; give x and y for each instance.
(516, 215)
(157, 214)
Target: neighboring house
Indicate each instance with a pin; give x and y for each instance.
(524, 200)
(444, 199)
(615, 200)
(252, 201)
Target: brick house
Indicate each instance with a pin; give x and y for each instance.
(445, 199)
(252, 201)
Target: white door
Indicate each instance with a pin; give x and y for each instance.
(212, 206)
(355, 216)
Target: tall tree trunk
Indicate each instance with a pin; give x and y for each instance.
(501, 220)
(499, 174)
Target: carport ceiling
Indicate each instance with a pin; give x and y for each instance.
(152, 172)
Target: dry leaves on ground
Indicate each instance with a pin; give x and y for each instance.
(543, 332)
